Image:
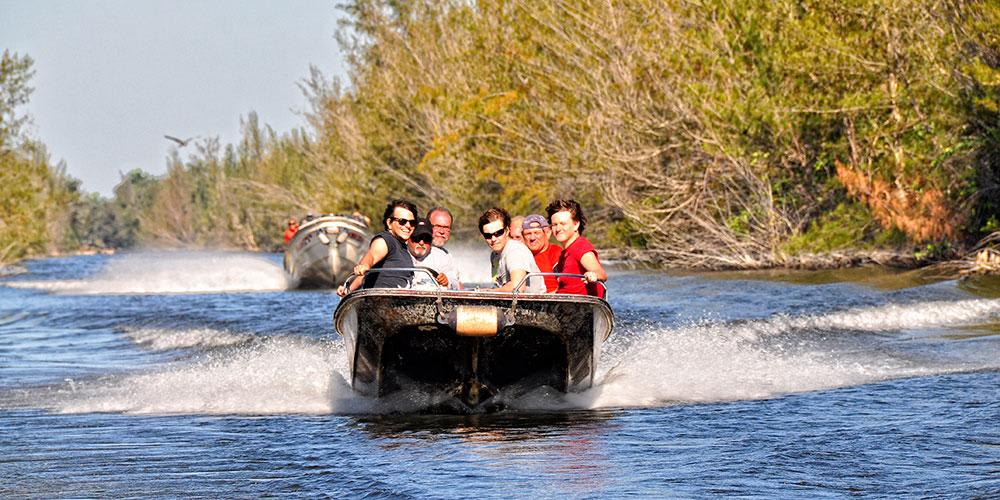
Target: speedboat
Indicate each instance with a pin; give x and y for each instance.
(324, 250)
(481, 349)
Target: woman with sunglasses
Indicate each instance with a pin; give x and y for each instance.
(511, 260)
(578, 256)
(388, 250)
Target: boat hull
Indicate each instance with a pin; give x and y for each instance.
(437, 341)
(324, 250)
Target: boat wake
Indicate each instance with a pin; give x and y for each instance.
(710, 362)
(644, 365)
(173, 272)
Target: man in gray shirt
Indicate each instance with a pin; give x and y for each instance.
(511, 260)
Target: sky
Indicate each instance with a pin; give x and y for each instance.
(112, 77)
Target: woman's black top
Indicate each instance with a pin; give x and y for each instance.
(398, 256)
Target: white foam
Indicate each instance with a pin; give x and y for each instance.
(472, 261)
(166, 339)
(649, 365)
(174, 272)
(897, 317)
(279, 376)
(721, 362)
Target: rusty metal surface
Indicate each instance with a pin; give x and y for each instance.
(367, 318)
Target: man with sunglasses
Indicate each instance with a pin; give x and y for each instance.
(511, 260)
(425, 254)
(387, 250)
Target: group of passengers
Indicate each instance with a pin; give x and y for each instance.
(519, 246)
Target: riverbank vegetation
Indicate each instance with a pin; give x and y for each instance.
(736, 134)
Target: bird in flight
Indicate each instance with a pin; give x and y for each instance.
(180, 142)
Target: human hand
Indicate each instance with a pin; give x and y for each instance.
(589, 277)
(361, 269)
(442, 279)
(342, 290)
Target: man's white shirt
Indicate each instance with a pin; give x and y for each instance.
(440, 261)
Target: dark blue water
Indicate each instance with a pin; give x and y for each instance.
(199, 375)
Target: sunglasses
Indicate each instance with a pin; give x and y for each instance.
(423, 239)
(404, 222)
(494, 234)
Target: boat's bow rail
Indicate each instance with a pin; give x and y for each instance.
(470, 319)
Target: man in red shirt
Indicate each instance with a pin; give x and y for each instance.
(536, 233)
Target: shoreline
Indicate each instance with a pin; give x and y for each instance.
(985, 261)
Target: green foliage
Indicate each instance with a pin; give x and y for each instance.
(23, 204)
(34, 195)
(845, 227)
(625, 233)
(709, 133)
(15, 73)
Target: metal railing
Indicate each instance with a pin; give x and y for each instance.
(426, 270)
(557, 275)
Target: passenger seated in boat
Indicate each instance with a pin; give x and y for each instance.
(516, 223)
(537, 234)
(440, 220)
(387, 250)
(511, 261)
(578, 256)
(425, 254)
(293, 227)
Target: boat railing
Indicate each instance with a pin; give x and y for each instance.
(508, 316)
(557, 275)
(433, 275)
(426, 270)
(515, 292)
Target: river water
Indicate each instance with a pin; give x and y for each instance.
(198, 374)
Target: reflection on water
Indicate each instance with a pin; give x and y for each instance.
(512, 426)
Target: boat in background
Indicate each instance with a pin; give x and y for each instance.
(472, 350)
(325, 249)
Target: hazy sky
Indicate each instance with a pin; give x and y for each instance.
(113, 76)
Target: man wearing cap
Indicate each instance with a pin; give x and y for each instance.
(425, 254)
(536, 233)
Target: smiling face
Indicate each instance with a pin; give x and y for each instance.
(441, 226)
(536, 238)
(419, 248)
(490, 233)
(564, 227)
(404, 229)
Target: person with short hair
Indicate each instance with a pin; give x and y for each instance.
(293, 227)
(511, 261)
(440, 220)
(537, 234)
(578, 256)
(515, 228)
(425, 254)
(387, 250)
